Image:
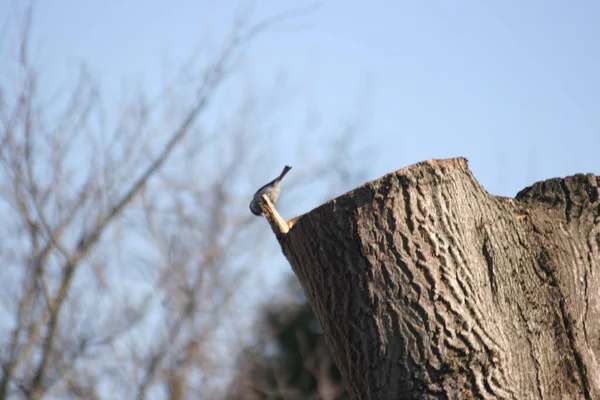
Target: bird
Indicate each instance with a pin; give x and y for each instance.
(271, 189)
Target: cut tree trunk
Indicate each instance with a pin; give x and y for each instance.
(426, 286)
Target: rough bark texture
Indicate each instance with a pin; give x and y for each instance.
(428, 287)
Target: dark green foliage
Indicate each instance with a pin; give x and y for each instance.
(290, 359)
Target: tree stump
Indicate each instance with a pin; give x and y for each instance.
(426, 286)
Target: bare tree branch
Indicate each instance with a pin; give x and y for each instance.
(130, 249)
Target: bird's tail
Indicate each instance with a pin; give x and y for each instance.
(286, 169)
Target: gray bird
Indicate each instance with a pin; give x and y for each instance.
(271, 189)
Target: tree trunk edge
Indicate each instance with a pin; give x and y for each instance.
(562, 200)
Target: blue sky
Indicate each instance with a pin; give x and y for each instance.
(511, 85)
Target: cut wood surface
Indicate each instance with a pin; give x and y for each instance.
(427, 286)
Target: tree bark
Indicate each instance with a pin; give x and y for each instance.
(426, 286)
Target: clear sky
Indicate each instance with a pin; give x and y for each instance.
(512, 85)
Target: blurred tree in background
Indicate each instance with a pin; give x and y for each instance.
(290, 359)
(126, 244)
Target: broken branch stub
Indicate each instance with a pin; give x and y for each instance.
(278, 225)
(427, 286)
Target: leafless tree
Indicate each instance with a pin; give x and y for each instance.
(124, 245)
